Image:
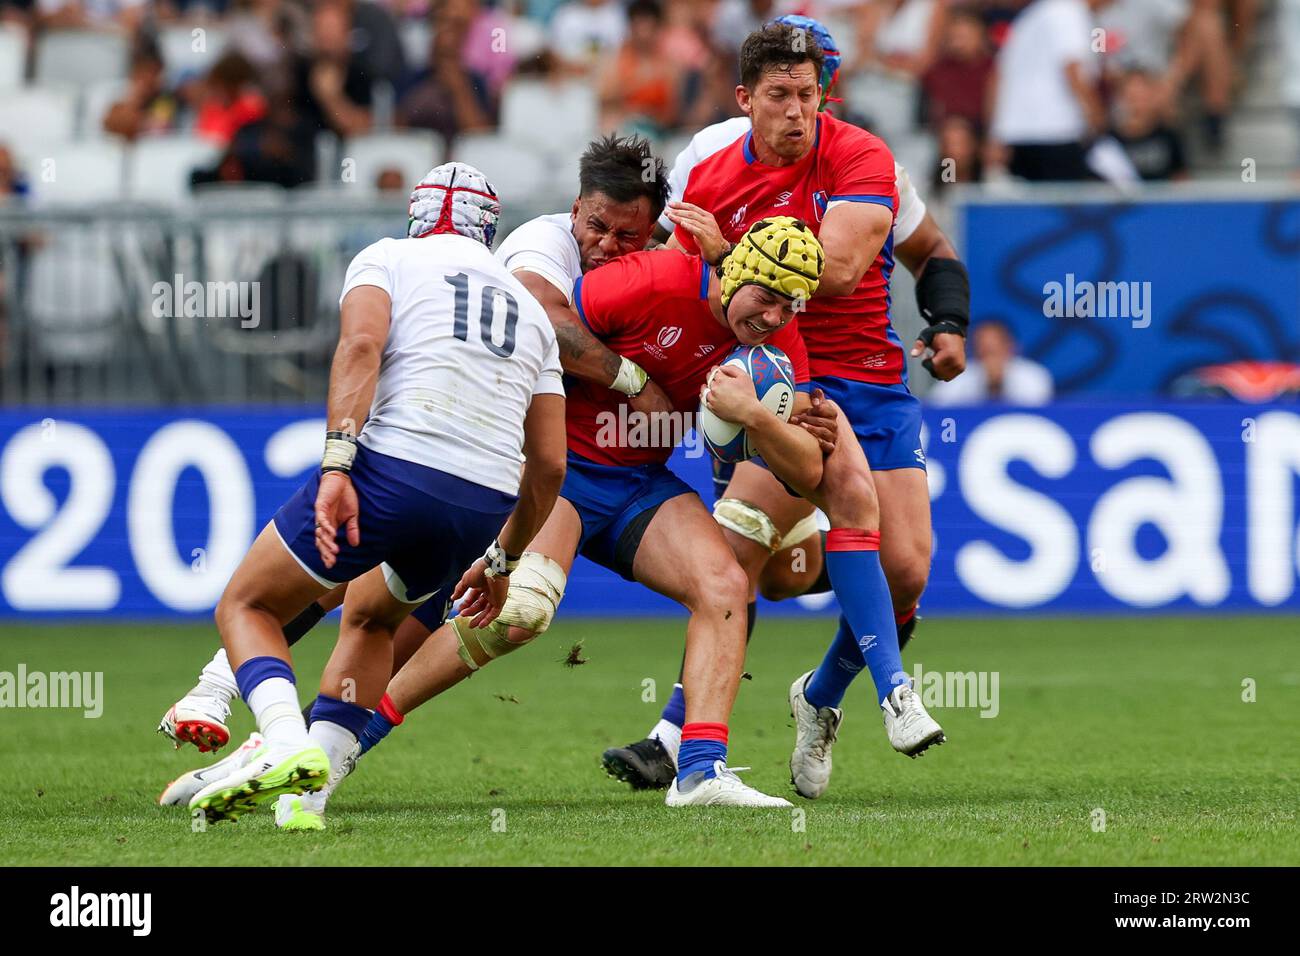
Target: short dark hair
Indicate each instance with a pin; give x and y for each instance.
(624, 169)
(778, 45)
(645, 8)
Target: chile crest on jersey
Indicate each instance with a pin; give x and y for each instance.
(820, 202)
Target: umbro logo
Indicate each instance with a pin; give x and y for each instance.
(783, 200)
(704, 350)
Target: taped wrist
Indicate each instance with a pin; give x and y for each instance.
(536, 589)
(499, 561)
(340, 451)
(943, 296)
(631, 379)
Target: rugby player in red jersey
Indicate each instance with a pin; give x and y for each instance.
(841, 179)
(794, 565)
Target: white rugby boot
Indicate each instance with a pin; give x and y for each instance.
(181, 790)
(199, 720)
(911, 730)
(815, 733)
(307, 811)
(723, 790)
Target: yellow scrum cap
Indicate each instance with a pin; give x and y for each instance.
(779, 253)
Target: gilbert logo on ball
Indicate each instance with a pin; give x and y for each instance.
(773, 378)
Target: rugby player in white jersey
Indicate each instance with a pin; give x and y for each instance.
(443, 357)
(789, 564)
(614, 214)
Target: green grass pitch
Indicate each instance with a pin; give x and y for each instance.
(1141, 719)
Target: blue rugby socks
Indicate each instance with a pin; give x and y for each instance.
(384, 719)
(703, 743)
(853, 560)
(842, 663)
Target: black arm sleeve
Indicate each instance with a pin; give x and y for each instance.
(943, 294)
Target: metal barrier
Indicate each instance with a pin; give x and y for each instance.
(233, 299)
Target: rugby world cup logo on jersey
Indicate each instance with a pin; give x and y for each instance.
(669, 335)
(738, 218)
(666, 339)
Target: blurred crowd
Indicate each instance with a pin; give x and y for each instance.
(1036, 89)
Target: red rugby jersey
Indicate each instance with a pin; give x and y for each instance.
(652, 307)
(847, 336)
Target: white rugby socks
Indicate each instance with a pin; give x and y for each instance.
(217, 680)
(274, 702)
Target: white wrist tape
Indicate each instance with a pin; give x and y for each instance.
(340, 451)
(498, 562)
(631, 379)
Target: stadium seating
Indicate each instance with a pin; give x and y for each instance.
(412, 152)
(548, 116)
(887, 99)
(1265, 140)
(70, 312)
(177, 44)
(517, 174)
(96, 100)
(43, 115)
(13, 52)
(160, 166)
(87, 171)
(79, 57)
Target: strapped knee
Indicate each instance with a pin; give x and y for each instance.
(748, 521)
(536, 588)
(806, 528)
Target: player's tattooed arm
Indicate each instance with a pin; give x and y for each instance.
(581, 353)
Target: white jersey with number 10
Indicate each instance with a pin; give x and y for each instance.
(467, 349)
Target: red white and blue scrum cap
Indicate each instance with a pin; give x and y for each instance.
(830, 49)
(454, 198)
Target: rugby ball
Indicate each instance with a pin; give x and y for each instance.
(773, 376)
